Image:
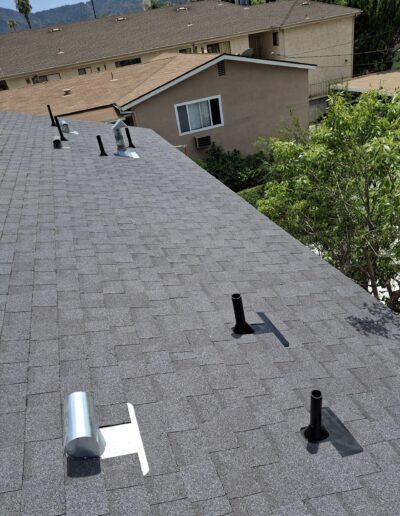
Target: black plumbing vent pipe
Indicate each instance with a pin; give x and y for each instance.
(62, 137)
(101, 146)
(57, 143)
(241, 327)
(128, 135)
(316, 432)
(53, 122)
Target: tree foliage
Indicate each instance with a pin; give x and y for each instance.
(12, 24)
(253, 195)
(235, 170)
(377, 29)
(339, 190)
(377, 33)
(24, 7)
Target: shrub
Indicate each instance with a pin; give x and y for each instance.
(235, 170)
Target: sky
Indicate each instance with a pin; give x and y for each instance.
(40, 5)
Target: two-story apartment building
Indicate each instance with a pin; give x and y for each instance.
(292, 30)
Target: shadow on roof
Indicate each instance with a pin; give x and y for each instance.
(382, 322)
(83, 468)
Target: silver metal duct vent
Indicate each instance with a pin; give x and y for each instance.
(83, 438)
(122, 150)
(64, 126)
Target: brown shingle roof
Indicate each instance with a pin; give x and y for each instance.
(100, 89)
(33, 51)
(119, 87)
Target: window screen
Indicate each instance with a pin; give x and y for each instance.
(183, 119)
(215, 112)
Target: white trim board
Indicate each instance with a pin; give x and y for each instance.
(205, 66)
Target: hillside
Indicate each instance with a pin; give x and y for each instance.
(68, 13)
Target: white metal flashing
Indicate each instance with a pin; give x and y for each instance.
(205, 66)
(125, 439)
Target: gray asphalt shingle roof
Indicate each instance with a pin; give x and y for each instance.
(115, 277)
(38, 50)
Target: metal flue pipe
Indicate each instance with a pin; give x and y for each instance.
(128, 135)
(316, 432)
(53, 122)
(62, 137)
(241, 327)
(101, 146)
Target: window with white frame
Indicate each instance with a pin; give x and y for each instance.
(199, 114)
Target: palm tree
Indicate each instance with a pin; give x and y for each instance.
(12, 24)
(94, 10)
(24, 7)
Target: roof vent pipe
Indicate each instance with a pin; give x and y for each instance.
(62, 137)
(101, 146)
(57, 143)
(64, 126)
(241, 327)
(316, 432)
(83, 438)
(119, 137)
(128, 135)
(53, 122)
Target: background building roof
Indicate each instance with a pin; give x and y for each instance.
(29, 52)
(119, 87)
(100, 89)
(387, 82)
(116, 277)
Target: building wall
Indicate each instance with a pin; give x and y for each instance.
(239, 44)
(328, 45)
(235, 45)
(256, 101)
(263, 46)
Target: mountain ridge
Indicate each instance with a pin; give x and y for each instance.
(68, 13)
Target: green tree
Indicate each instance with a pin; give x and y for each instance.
(235, 170)
(377, 33)
(24, 7)
(157, 4)
(93, 8)
(12, 24)
(339, 191)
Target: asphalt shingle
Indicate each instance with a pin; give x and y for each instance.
(102, 39)
(116, 278)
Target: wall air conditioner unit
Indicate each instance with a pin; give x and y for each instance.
(202, 142)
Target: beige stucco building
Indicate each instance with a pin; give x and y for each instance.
(244, 116)
(191, 100)
(291, 30)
